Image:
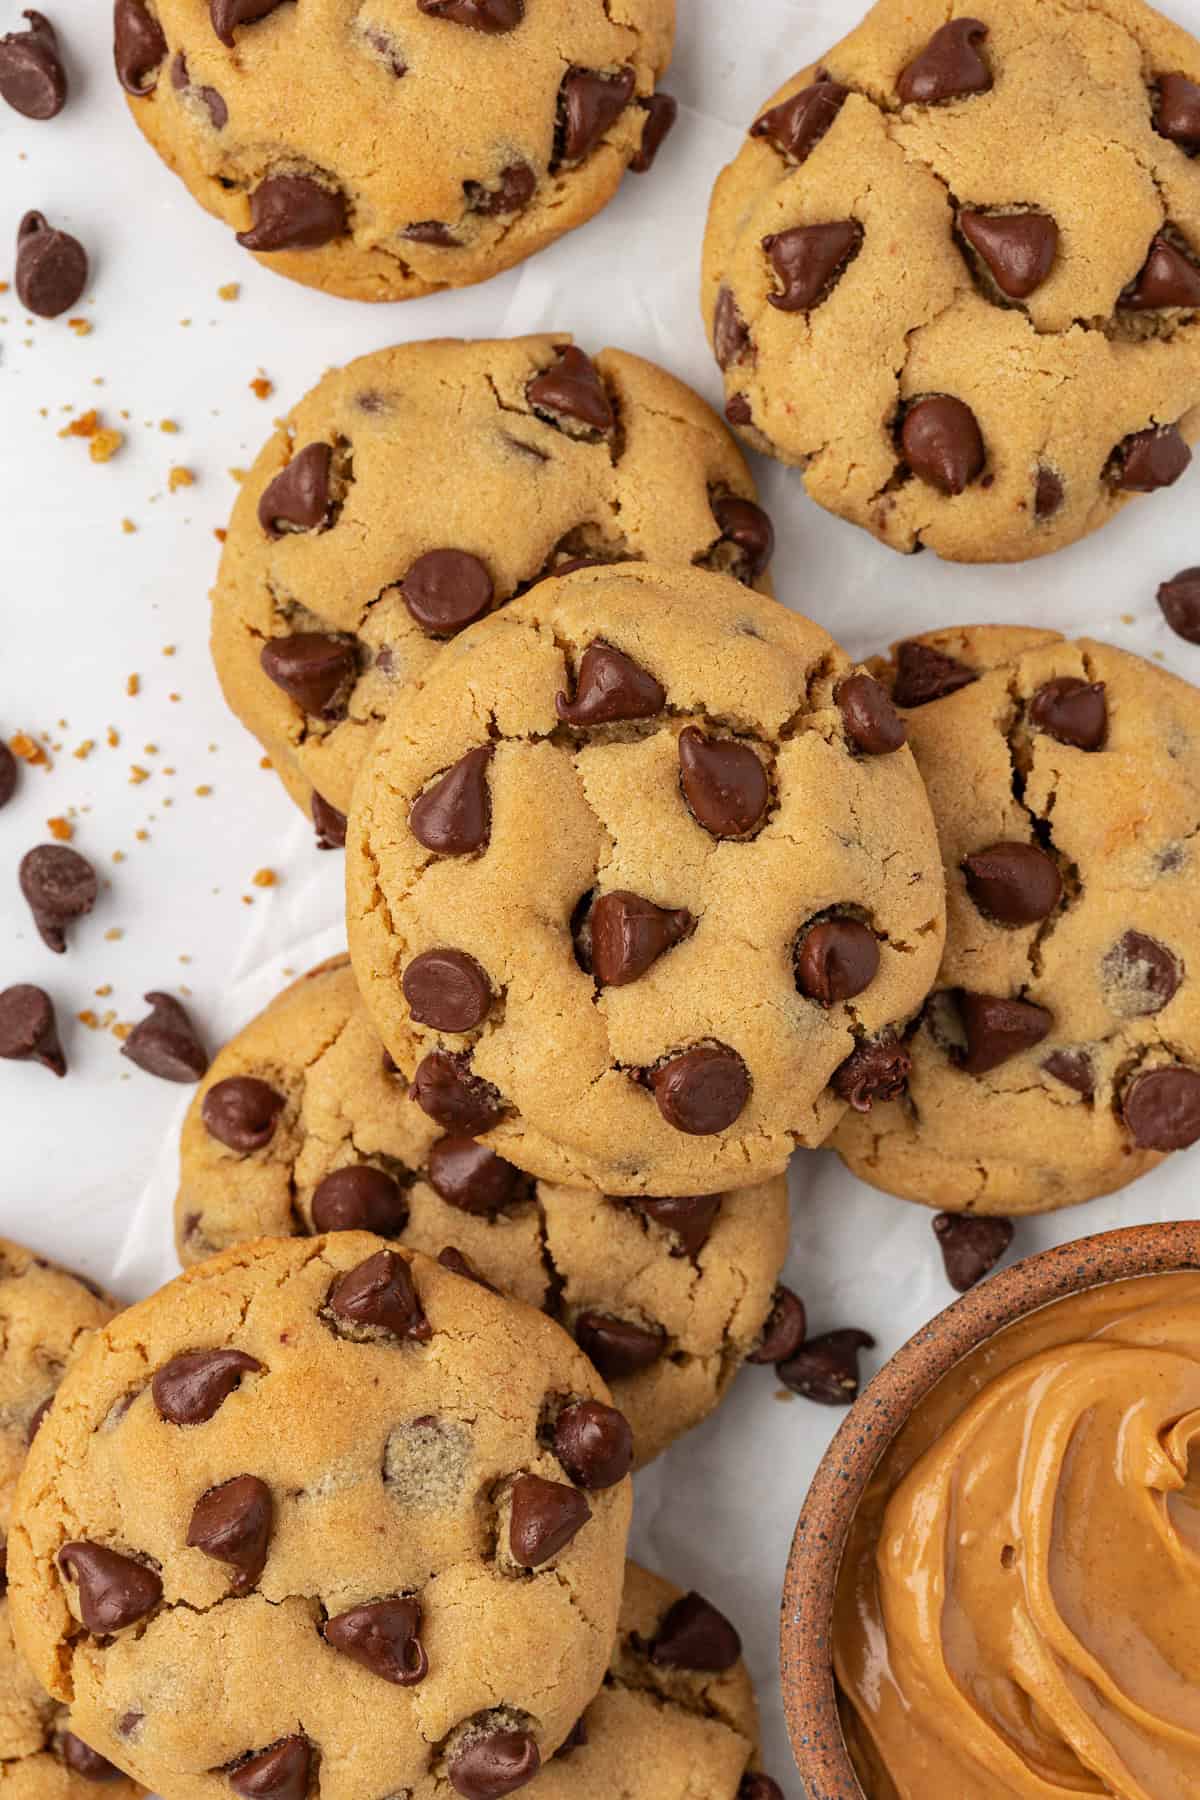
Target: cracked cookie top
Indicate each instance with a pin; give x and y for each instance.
(1059, 1055)
(383, 149)
(666, 1296)
(304, 1521)
(420, 488)
(642, 868)
(916, 299)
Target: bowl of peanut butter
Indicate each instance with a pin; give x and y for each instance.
(994, 1588)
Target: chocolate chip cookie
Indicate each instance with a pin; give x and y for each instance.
(323, 1516)
(420, 488)
(305, 1124)
(387, 150)
(639, 882)
(916, 299)
(44, 1315)
(1059, 1055)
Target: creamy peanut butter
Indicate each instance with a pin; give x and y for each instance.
(1018, 1612)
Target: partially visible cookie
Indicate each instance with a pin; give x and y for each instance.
(638, 880)
(322, 1514)
(1059, 1055)
(668, 1297)
(916, 300)
(419, 488)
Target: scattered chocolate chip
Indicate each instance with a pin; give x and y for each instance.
(232, 1524)
(516, 188)
(8, 774)
(1168, 278)
(1149, 460)
(1179, 599)
(594, 1444)
(783, 1333)
(383, 1637)
(166, 1043)
(749, 529)
(190, 1388)
(661, 112)
(1049, 494)
(1072, 711)
(85, 1762)
(227, 15)
(32, 78)
(281, 1773)
(1014, 884)
(544, 1517)
(1142, 975)
(688, 1217)
(330, 824)
(825, 1368)
(950, 66)
(971, 1246)
(731, 335)
(998, 1029)
(629, 934)
(591, 104)
(1177, 114)
(616, 1346)
(293, 212)
(59, 886)
(458, 1264)
(871, 722)
(572, 389)
(298, 497)
(810, 260)
(447, 990)
(138, 47)
(942, 443)
(756, 1786)
(796, 126)
(487, 1765)
(241, 1113)
(492, 16)
(723, 782)
(1074, 1069)
(1162, 1109)
(113, 1591)
(836, 960)
(454, 1097)
(360, 1197)
(472, 1177)
(610, 687)
(380, 1293)
(51, 270)
(28, 1029)
(702, 1091)
(454, 814)
(693, 1635)
(1018, 248)
(924, 674)
(875, 1071)
(313, 668)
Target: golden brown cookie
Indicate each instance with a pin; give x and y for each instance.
(388, 150)
(1059, 1055)
(638, 874)
(916, 299)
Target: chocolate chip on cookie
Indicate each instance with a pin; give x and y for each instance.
(693, 1635)
(796, 126)
(1018, 248)
(298, 498)
(544, 1516)
(113, 1591)
(191, 1388)
(473, 1178)
(281, 1772)
(1148, 460)
(619, 1347)
(1177, 114)
(446, 1087)
(380, 1295)
(32, 78)
(359, 1197)
(702, 1091)
(951, 65)
(876, 1070)
(591, 102)
(453, 816)
(942, 443)
(997, 1029)
(610, 687)
(232, 1524)
(809, 260)
(492, 1760)
(242, 1112)
(835, 960)
(629, 934)
(383, 1637)
(872, 723)
(447, 990)
(492, 16)
(661, 112)
(139, 47)
(447, 590)
(724, 783)
(925, 674)
(1168, 278)
(313, 669)
(688, 1217)
(293, 212)
(784, 1331)
(329, 824)
(1162, 1109)
(593, 1443)
(1014, 884)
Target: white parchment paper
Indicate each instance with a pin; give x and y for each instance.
(87, 1165)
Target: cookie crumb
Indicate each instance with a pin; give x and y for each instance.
(133, 685)
(137, 775)
(264, 762)
(168, 649)
(105, 444)
(264, 878)
(89, 1018)
(230, 291)
(84, 750)
(112, 737)
(128, 527)
(29, 751)
(60, 828)
(263, 387)
(238, 475)
(113, 933)
(103, 991)
(220, 533)
(178, 477)
(81, 327)
(170, 426)
(118, 856)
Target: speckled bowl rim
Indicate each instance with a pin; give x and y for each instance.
(810, 1585)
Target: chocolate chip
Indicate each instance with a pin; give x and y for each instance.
(1072, 711)
(756, 1786)
(454, 1097)
(1168, 278)
(298, 497)
(472, 1177)
(52, 267)
(693, 1635)
(924, 674)
(731, 334)
(871, 722)
(382, 1637)
(1177, 114)
(950, 65)
(942, 443)
(190, 1388)
(1149, 460)
(591, 103)
(447, 590)
(218, 112)
(572, 389)
(616, 1346)
(1074, 1069)
(749, 529)
(458, 1264)
(1049, 494)
(971, 1246)
(113, 1591)
(739, 411)
(825, 1369)
(380, 1294)
(454, 814)
(688, 1217)
(241, 1113)
(59, 886)
(810, 260)
(629, 934)
(576, 1739)
(878, 1070)
(28, 1029)
(447, 990)
(85, 1762)
(594, 1444)
(1162, 1109)
(227, 15)
(488, 1765)
(723, 782)
(32, 78)
(166, 1043)
(796, 126)
(431, 231)
(1179, 599)
(516, 188)
(359, 1198)
(998, 1029)
(836, 960)
(1014, 884)
(492, 16)
(330, 824)
(1018, 248)
(783, 1333)
(661, 112)
(35, 1423)
(1142, 974)
(293, 212)
(702, 1091)
(313, 668)
(8, 774)
(232, 1524)
(544, 1517)
(281, 1773)
(138, 47)
(610, 687)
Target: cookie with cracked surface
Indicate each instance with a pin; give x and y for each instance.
(334, 1461)
(668, 1297)
(419, 488)
(681, 865)
(1059, 1056)
(45, 1313)
(384, 151)
(914, 299)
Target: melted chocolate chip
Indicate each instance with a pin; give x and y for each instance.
(447, 590)
(1019, 249)
(380, 1294)
(796, 126)
(492, 1763)
(942, 443)
(166, 1043)
(282, 1772)
(232, 1524)
(924, 674)
(329, 823)
(473, 1178)
(313, 668)
(617, 1346)
(702, 1091)
(1074, 1069)
(1177, 114)
(571, 389)
(591, 103)
(544, 1517)
(431, 231)
(1168, 278)
(1072, 711)
(112, 1591)
(52, 267)
(212, 101)
(629, 934)
(784, 1331)
(360, 1198)
(731, 334)
(227, 15)
(836, 960)
(610, 687)
(875, 1071)
(241, 1113)
(32, 78)
(298, 498)
(138, 47)
(28, 1028)
(871, 722)
(293, 212)
(454, 1097)
(661, 112)
(492, 16)
(1141, 975)
(688, 1217)
(447, 990)
(59, 886)
(594, 1444)
(1149, 460)
(971, 1246)
(453, 817)
(85, 1762)
(515, 189)
(723, 782)
(825, 1369)
(950, 66)
(190, 1388)
(810, 260)
(746, 526)
(382, 1637)
(693, 1635)
(1162, 1109)
(458, 1264)
(1015, 884)
(997, 1029)
(1049, 494)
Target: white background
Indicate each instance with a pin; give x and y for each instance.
(87, 1165)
